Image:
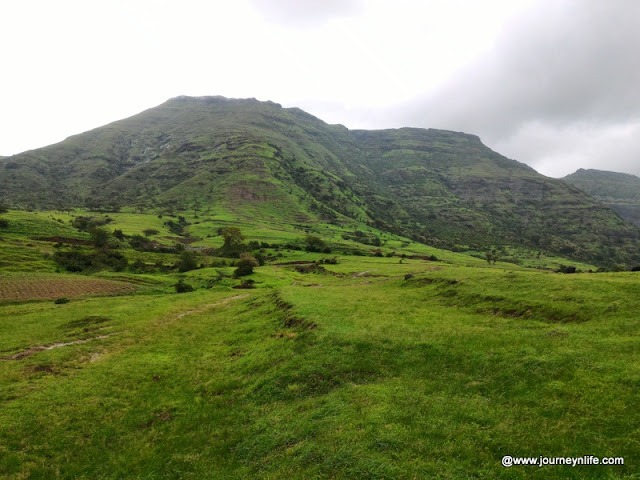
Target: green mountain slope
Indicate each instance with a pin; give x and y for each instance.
(263, 161)
(620, 191)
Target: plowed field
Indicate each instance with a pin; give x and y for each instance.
(47, 287)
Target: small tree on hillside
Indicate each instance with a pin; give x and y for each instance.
(233, 239)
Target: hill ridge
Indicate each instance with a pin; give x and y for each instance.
(440, 187)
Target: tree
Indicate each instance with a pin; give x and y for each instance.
(233, 238)
(491, 256)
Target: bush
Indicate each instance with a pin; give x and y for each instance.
(76, 260)
(88, 223)
(314, 244)
(99, 236)
(150, 231)
(245, 265)
(139, 266)
(61, 300)
(4, 223)
(260, 259)
(246, 284)
(188, 261)
(566, 269)
(182, 287)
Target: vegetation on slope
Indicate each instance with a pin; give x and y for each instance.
(620, 191)
(416, 363)
(261, 161)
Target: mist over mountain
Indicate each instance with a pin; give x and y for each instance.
(260, 160)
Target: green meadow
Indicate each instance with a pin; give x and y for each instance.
(389, 361)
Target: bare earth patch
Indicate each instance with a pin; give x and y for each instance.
(49, 287)
(31, 350)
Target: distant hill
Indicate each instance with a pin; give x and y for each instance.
(620, 191)
(260, 160)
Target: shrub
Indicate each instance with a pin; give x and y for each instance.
(150, 231)
(636, 268)
(260, 259)
(330, 261)
(245, 265)
(246, 284)
(566, 269)
(61, 300)
(188, 261)
(182, 287)
(314, 244)
(99, 236)
(4, 223)
(408, 276)
(88, 223)
(139, 266)
(243, 271)
(178, 227)
(76, 260)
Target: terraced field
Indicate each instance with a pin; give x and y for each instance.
(24, 287)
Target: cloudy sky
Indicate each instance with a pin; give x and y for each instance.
(552, 83)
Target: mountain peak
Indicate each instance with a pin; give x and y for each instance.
(257, 159)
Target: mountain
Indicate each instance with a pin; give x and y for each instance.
(260, 160)
(620, 191)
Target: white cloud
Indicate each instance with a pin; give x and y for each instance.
(551, 83)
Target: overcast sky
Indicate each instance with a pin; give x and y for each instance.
(552, 83)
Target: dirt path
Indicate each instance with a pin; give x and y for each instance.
(208, 306)
(362, 274)
(31, 350)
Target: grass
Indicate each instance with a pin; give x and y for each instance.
(375, 367)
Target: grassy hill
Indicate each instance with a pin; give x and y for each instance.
(264, 162)
(365, 362)
(620, 191)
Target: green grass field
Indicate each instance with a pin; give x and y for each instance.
(373, 368)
